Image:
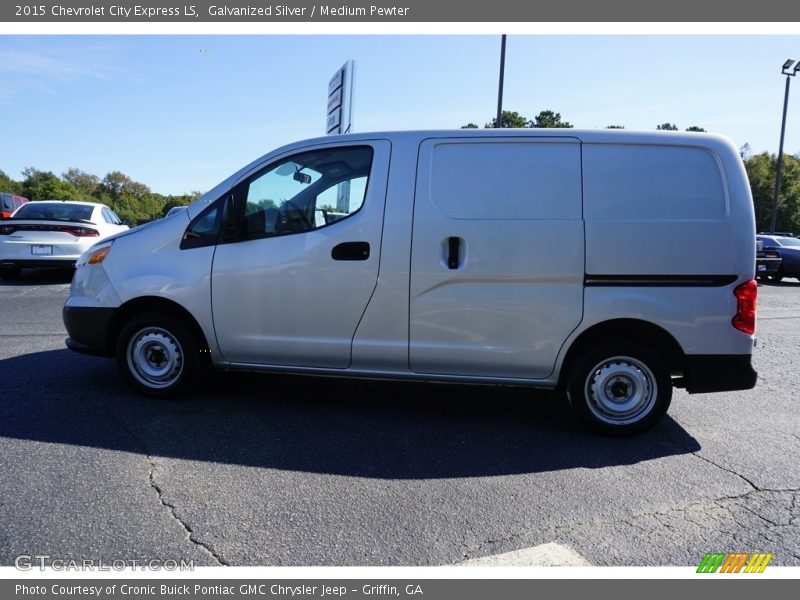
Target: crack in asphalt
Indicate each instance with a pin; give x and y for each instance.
(727, 470)
(151, 463)
(171, 508)
(553, 532)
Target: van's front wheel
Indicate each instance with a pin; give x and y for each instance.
(157, 354)
(620, 388)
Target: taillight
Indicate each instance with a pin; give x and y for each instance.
(83, 232)
(745, 319)
(76, 231)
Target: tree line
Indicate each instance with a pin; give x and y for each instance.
(552, 120)
(134, 202)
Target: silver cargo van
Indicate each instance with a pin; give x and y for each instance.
(612, 265)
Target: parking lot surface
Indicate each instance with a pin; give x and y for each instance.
(279, 470)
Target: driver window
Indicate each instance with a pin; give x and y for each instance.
(306, 191)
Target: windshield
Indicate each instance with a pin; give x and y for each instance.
(790, 242)
(55, 211)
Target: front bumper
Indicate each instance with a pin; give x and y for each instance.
(718, 373)
(88, 329)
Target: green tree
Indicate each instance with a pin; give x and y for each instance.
(746, 152)
(667, 127)
(8, 185)
(761, 173)
(549, 119)
(44, 185)
(509, 119)
(183, 200)
(84, 182)
(513, 119)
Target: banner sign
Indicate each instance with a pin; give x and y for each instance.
(409, 11)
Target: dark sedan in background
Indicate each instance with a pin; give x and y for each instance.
(789, 250)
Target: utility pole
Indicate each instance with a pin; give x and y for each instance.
(499, 121)
(789, 72)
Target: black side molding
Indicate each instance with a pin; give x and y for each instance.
(659, 280)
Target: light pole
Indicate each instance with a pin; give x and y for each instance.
(789, 72)
(499, 121)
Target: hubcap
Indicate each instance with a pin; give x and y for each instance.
(621, 390)
(155, 357)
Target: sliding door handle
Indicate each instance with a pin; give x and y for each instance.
(453, 248)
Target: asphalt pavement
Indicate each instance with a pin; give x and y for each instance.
(283, 470)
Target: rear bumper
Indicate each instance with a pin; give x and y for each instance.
(88, 329)
(718, 373)
(767, 266)
(37, 263)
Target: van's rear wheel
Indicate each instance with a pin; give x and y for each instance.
(157, 353)
(620, 388)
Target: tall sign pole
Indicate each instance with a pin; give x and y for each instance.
(340, 118)
(340, 100)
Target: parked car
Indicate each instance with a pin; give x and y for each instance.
(585, 261)
(767, 261)
(53, 234)
(789, 250)
(9, 203)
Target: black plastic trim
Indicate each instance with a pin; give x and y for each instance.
(88, 329)
(705, 373)
(659, 280)
(37, 264)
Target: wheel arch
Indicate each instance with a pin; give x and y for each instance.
(631, 330)
(144, 304)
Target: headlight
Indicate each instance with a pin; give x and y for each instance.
(94, 255)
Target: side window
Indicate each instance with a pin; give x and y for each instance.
(107, 216)
(306, 191)
(204, 228)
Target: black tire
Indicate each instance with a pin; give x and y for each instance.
(619, 388)
(158, 354)
(777, 275)
(10, 273)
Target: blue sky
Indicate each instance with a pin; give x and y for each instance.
(181, 112)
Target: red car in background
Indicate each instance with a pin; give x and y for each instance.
(9, 203)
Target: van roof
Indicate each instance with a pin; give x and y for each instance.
(689, 138)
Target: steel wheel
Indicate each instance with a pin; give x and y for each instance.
(159, 353)
(620, 390)
(155, 357)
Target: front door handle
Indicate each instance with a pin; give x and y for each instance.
(350, 251)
